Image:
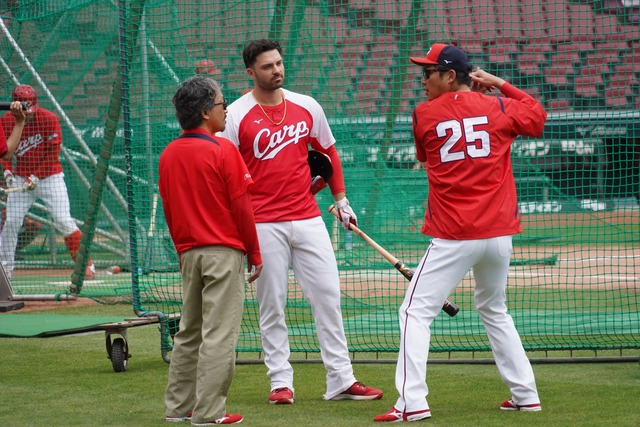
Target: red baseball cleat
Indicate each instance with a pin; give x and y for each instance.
(281, 396)
(359, 391)
(90, 272)
(227, 419)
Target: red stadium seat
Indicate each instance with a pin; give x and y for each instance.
(582, 21)
(612, 100)
(433, 21)
(530, 64)
(339, 26)
(484, 17)
(391, 11)
(536, 46)
(587, 86)
(566, 52)
(558, 105)
(617, 81)
(557, 73)
(534, 22)
(631, 32)
(508, 19)
(606, 28)
(352, 54)
(462, 25)
(558, 22)
(366, 102)
(534, 91)
(502, 51)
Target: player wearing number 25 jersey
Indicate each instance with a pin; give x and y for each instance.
(463, 139)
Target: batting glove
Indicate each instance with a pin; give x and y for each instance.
(9, 179)
(32, 182)
(346, 214)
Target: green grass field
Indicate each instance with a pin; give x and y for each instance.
(69, 381)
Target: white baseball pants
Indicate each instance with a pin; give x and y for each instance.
(53, 192)
(441, 269)
(306, 247)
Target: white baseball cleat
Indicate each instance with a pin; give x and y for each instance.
(509, 405)
(395, 416)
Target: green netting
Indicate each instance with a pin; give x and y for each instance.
(109, 69)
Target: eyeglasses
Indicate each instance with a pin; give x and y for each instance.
(426, 72)
(223, 103)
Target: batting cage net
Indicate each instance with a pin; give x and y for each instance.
(108, 70)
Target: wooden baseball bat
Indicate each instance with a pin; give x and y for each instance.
(13, 189)
(449, 307)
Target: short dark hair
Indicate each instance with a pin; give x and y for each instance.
(194, 96)
(255, 48)
(464, 78)
(461, 78)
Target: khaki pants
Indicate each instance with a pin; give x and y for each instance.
(203, 357)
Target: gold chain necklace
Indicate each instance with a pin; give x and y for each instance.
(284, 115)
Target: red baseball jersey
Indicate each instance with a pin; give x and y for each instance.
(3, 141)
(39, 148)
(276, 154)
(464, 139)
(196, 195)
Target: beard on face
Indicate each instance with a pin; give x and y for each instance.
(270, 84)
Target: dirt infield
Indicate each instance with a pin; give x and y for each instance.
(30, 306)
(590, 219)
(561, 267)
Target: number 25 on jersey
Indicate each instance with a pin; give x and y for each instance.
(465, 130)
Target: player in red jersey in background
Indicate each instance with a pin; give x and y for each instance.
(10, 139)
(463, 138)
(37, 166)
(273, 128)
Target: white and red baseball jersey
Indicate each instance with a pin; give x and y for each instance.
(276, 154)
(39, 149)
(472, 192)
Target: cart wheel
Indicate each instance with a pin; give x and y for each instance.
(119, 355)
(174, 326)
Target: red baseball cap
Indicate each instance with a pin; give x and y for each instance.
(25, 93)
(445, 55)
